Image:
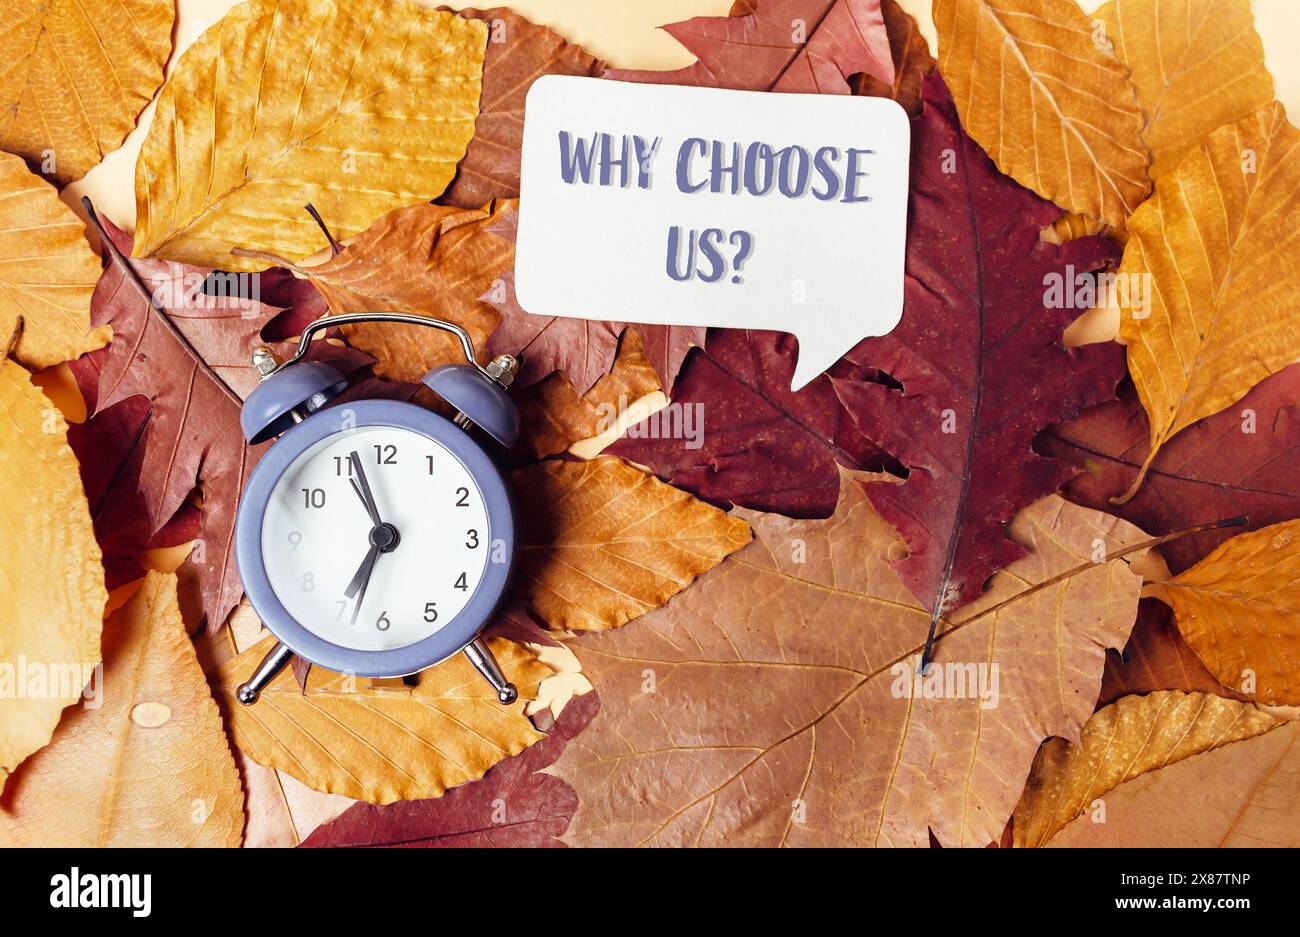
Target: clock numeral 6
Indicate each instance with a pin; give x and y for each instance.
(382, 623)
(313, 497)
(430, 612)
(471, 539)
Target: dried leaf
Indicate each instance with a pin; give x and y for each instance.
(1138, 735)
(1056, 113)
(518, 53)
(431, 260)
(52, 611)
(514, 805)
(604, 543)
(978, 364)
(1216, 247)
(47, 269)
(800, 46)
(358, 107)
(769, 703)
(150, 764)
(751, 441)
(78, 74)
(1242, 460)
(1239, 611)
(1157, 658)
(382, 743)
(1195, 65)
(912, 61)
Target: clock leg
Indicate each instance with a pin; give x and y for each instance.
(486, 664)
(266, 671)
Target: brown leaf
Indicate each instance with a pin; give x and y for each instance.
(1195, 65)
(769, 703)
(150, 764)
(912, 61)
(1216, 254)
(605, 543)
(1128, 756)
(358, 107)
(431, 260)
(1239, 611)
(47, 269)
(518, 53)
(1055, 112)
(77, 74)
(52, 608)
(382, 743)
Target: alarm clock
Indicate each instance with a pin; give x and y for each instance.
(376, 537)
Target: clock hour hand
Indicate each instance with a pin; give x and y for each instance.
(357, 587)
(361, 485)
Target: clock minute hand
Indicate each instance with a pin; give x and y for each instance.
(357, 587)
(361, 485)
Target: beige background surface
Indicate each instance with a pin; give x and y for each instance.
(623, 32)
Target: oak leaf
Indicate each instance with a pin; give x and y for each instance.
(910, 52)
(753, 442)
(380, 742)
(769, 704)
(977, 366)
(1195, 65)
(800, 46)
(358, 107)
(1239, 611)
(1172, 769)
(518, 53)
(1216, 256)
(47, 269)
(431, 260)
(515, 804)
(51, 613)
(78, 73)
(1242, 460)
(131, 770)
(604, 543)
(1054, 111)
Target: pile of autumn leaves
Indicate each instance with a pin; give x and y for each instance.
(968, 469)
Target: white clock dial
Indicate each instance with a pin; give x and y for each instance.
(316, 537)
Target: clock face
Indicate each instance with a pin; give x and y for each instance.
(365, 588)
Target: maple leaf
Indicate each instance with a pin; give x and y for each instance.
(910, 52)
(129, 772)
(757, 443)
(800, 46)
(1173, 769)
(515, 804)
(187, 353)
(781, 678)
(518, 53)
(1242, 460)
(978, 360)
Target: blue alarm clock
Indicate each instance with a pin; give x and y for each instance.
(376, 537)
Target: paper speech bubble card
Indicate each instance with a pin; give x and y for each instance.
(699, 206)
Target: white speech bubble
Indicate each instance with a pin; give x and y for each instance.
(825, 210)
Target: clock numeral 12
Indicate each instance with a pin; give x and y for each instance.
(385, 454)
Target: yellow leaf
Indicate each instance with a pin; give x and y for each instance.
(1215, 256)
(47, 270)
(52, 603)
(1055, 112)
(387, 742)
(76, 75)
(147, 764)
(1239, 610)
(1196, 65)
(358, 107)
(604, 543)
(1132, 737)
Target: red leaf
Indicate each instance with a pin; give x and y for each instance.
(980, 361)
(1242, 460)
(514, 804)
(800, 46)
(760, 445)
